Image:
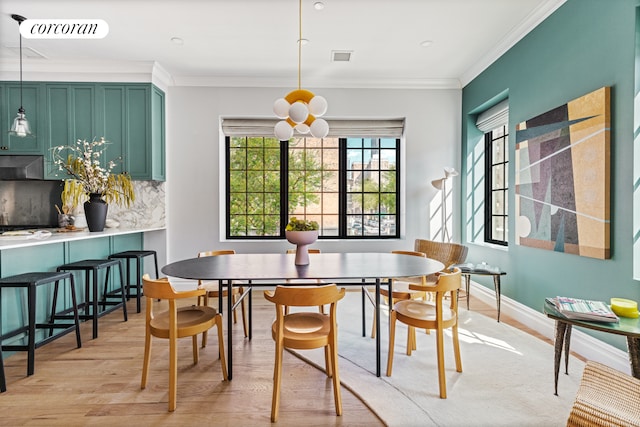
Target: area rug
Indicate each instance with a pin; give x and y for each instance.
(507, 377)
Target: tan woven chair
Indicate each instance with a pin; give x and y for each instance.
(606, 397)
(447, 253)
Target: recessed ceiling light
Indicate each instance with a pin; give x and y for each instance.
(177, 40)
(426, 43)
(318, 5)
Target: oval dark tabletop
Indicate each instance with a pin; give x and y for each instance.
(321, 266)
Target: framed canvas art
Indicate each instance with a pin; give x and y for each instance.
(563, 178)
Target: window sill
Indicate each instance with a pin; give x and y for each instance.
(490, 246)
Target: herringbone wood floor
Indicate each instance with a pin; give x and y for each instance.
(99, 384)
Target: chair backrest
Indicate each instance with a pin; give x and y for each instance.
(305, 296)
(310, 250)
(155, 289)
(413, 279)
(446, 253)
(216, 253)
(448, 282)
(412, 253)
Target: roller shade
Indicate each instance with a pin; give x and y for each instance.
(494, 117)
(392, 128)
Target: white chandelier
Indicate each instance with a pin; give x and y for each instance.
(300, 109)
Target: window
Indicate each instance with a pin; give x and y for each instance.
(496, 185)
(487, 175)
(350, 186)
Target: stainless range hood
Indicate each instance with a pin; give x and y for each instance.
(17, 167)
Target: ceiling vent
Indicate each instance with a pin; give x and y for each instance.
(341, 55)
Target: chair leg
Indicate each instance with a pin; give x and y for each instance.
(373, 324)
(235, 312)
(146, 361)
(205, 302)
(173, 373)
(277, 376)
(244, 315)
(194, 341)
(337, 397)
(456, 347)
(442, 380)
(327, 361)
(392, 339)
(411, 339)
(223, 360)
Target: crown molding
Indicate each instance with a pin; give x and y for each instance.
(538, 15)
(89, 71)
(234, 81)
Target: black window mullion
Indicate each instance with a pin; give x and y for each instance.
(284, 186)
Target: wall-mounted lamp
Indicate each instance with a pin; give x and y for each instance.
(441, 184)
(20, 126)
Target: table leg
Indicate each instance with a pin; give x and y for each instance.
(633, 344)
(467, 283)
(250, 309)
(362, 296)
(561, 328)
(229, 329)
(378, 321)
(567, 344)
(496, 287)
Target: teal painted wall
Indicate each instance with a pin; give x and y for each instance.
(582, 46)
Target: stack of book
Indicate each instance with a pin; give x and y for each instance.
(581, 309)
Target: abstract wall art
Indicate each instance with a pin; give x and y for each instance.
(563, 178)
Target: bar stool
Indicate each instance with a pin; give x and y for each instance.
(91, 268)
(137, 256)
(30, 281)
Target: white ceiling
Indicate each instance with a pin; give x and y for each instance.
(254, 42)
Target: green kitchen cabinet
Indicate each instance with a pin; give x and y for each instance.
(70, 114)
(131, 118)
(10, 101)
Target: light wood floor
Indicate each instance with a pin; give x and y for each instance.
(99, 384)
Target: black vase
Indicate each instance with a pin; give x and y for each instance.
(95, 210)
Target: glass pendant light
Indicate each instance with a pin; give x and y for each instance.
(20, 126)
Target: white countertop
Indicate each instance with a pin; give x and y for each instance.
(12, 242)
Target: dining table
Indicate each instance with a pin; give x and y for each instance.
(270, 269)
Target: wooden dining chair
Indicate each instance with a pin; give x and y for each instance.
(304, 281)
(212, 289)
(401, 291)
(431, 315)
(187, 321)
(305, 330)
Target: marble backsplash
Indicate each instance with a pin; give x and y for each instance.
(147, 211)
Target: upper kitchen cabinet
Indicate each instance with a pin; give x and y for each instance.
(10, 101)
(70, 114)
(131, 118)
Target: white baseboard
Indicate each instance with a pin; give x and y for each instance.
(583, 344)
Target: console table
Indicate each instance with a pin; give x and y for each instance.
(628, 327)
(467, 272)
